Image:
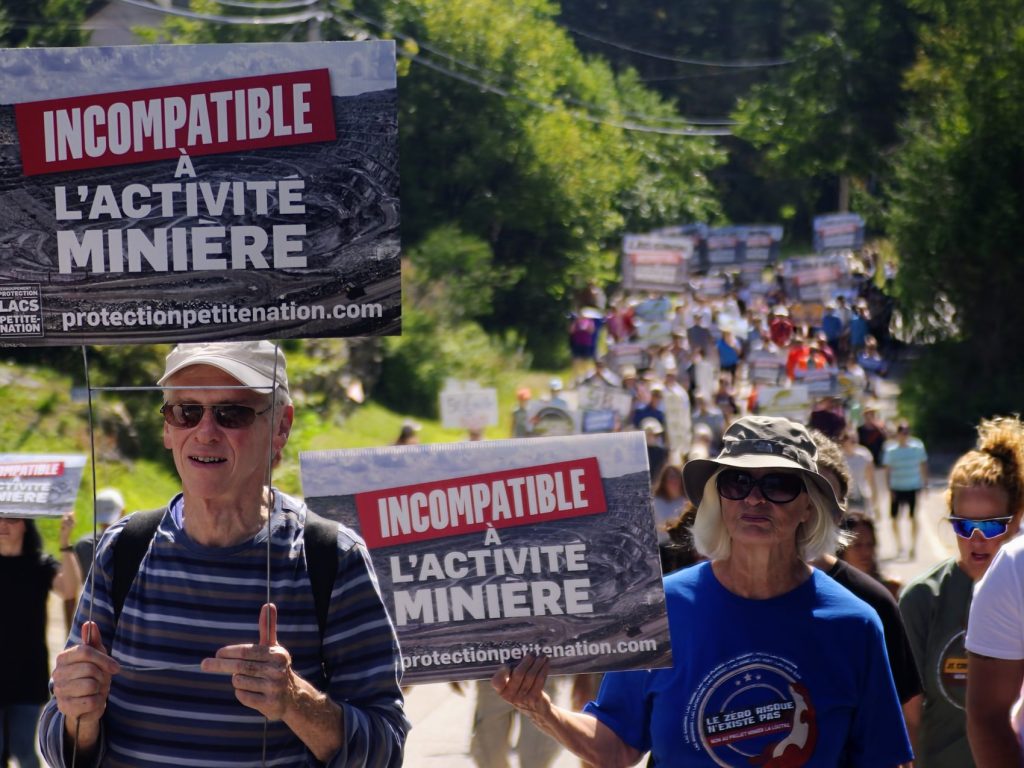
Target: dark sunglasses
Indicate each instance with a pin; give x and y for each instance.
(777, 487)
(228, 416)
(990, 527)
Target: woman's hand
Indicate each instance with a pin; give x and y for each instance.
(523, 686)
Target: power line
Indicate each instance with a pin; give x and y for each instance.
(738, 64)
(294, 18)
(567, 99)
(320, 16)
(624, 125)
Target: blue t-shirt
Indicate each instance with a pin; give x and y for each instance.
(797, 680)
(727, 355)
(904, 462)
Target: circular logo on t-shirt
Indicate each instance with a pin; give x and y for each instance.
(951, 670)
(757, 714)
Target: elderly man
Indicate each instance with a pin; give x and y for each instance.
(197, 666)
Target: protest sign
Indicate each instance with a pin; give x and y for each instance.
(765, 366)
(598, 421)
(710, 287)
(39, 484)
(838, 231)
(655, 262)
(552, 418)
(486, 551)
(467, 405)
(591, 398)
(816, 278)
(620, 355)
(678, 420)
(191, 192)
(762, 243)
(724, 247)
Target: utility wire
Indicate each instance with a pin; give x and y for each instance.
(294, 18)
(569, 99)
(737, 64)
(628, 125)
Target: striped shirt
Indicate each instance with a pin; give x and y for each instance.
(189, 600)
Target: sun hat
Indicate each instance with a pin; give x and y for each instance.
(257, 364)
(109, 506)
(555, 384)
(761, 442)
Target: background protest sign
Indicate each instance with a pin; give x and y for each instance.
(487, 550)
(838, 231)
(39, 484)
(467, 405)
(791, 402)
(190, 192)
(655, 262)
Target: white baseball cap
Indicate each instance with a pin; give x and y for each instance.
(257, 364)
(109, 506)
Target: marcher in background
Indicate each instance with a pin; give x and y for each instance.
(27, 575)
(780, 327)
(200, 670)
(985, 499)
(653, 409)
(862, 551)
(906, 475)
(873, 433)
(669, 500)
(833, 466)
(863, 489)
(521, 426)
(657, 453)
(409, 434)
(756, 627)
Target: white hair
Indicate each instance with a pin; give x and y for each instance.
(820, 535)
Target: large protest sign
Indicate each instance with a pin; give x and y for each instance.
(791, 402)
(39, 484)
(485, 551)
(655, 262)
(168, 193)
(467, 405)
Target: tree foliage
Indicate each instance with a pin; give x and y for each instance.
(37, 23)
(835, 111)
(957, 202)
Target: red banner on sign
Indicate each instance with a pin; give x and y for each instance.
(206, 118)
(41, 469)
(471, 504)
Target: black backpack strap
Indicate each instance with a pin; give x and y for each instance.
(129, 549)
(321, 541)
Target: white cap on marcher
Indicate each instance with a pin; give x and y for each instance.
(109, 506)
(257, 364)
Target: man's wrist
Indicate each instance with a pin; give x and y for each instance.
(67, 548)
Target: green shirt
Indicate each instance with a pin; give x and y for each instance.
(935, 607)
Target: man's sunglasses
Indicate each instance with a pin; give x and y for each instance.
(228, 416)
(776, 487)
(990, 528)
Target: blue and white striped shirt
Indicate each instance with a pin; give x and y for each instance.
(188, 601)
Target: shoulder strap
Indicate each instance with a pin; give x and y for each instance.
(129, 549)
(321, 539)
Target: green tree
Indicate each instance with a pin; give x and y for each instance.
(956, 216)
(833, 114)
(39, 23)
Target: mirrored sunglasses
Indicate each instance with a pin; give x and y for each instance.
(228, 416)
(990, 528)
(776, 487)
